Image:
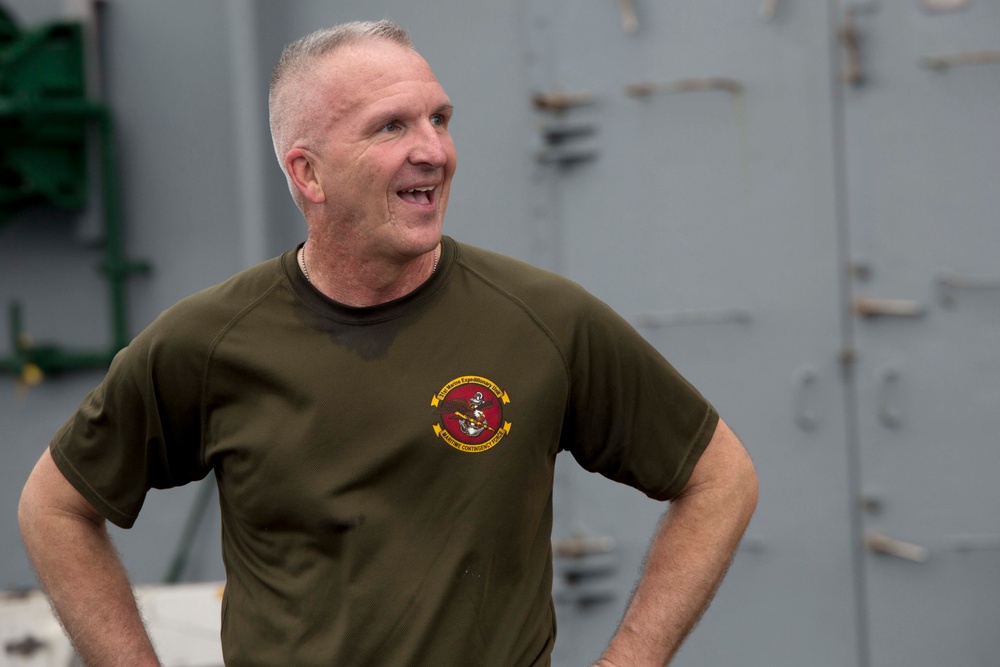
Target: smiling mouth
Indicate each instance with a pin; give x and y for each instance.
(423, 195)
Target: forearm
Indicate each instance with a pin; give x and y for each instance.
(689, 555)
(683, 570)
(86, 583)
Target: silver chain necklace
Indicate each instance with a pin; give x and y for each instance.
(305, 271)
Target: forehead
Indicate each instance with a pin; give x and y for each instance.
(366, 77)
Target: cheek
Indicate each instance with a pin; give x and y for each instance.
(382, 173)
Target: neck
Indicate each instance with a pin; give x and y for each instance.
(360, 282)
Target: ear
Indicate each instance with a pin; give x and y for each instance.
(299, 163)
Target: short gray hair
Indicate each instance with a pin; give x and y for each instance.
(299, 55)
(326, 40)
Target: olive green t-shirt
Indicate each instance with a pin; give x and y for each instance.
(385, 473)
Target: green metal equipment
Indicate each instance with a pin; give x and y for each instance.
(46, 121)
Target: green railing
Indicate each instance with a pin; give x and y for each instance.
(46, 126)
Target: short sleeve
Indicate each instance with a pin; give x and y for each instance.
(139, 429)
(632, 417)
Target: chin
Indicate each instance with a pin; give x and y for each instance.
(419, 241)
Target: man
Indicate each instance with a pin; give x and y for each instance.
(384, 462)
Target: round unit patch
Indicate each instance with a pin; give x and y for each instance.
(470, 413)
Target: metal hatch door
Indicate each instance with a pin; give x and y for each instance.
(923, 155)
(684, 151)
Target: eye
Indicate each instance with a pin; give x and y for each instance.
(390, 127)
(439, 120)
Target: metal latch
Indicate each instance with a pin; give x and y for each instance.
(883, 544)
(867, 306)
(648, 88)
(958, 59)
(936, 6)
(561, 101)
(577, 546)
(949, 283)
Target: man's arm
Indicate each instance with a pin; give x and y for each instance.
(689, 555)
(79, 569)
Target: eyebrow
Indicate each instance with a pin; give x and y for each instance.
(387, 116)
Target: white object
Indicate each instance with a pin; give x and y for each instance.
(184, 623)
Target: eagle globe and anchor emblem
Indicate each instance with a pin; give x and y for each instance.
(470, 413)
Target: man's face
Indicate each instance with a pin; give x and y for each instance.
(384, 155)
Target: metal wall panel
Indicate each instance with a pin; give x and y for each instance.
(707, 218)
(923, 154)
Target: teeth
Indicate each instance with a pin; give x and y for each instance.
(427, 188)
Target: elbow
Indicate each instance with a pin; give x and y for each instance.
(739, 479)
(743, 487)
(742, 476)
(726, 472)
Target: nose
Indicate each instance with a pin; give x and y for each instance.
(431, 145)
